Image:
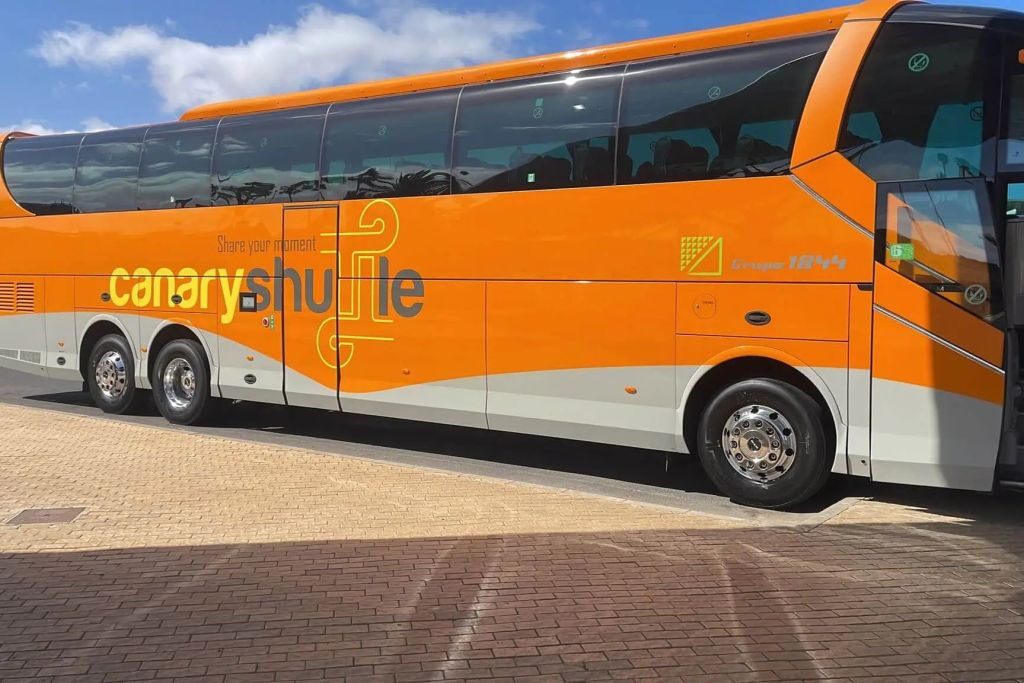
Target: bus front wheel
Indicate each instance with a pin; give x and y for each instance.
(763, 443)
(181, 382)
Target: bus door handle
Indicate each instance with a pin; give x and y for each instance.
(940, 287)
(757, 318)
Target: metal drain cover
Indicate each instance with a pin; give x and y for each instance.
(46, 516)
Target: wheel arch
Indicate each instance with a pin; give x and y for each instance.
(173, 330)
(745, 363)
(98, 327)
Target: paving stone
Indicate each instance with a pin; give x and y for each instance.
(203, 558)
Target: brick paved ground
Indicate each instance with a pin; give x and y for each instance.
(199, 558)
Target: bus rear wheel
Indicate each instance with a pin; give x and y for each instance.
(763, 443)
(110, 376)
(181, 382)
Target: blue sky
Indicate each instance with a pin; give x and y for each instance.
(85, 65)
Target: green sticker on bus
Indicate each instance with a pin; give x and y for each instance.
(901, 252)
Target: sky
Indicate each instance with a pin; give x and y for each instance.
(73, 66)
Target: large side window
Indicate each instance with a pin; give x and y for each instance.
(108, 171)
(40, 172)
(916, 111)
(393, 147)
(723, 113)
(268, 158)
(540, 133)
(175, 168)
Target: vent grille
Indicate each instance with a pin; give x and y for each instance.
(31, 357)
(25, 297)
(17, 297)
(9, 353)
(7, 297)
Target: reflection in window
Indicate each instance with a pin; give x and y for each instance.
(40, 172)
(268, 158)
(1013, 146)
(717, 114)
(175, 168)
(108, 171)
(950, 234)
(542, 133)
(395, 147)
(1015, 200)
(916, 109)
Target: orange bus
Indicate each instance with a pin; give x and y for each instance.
(790, 247)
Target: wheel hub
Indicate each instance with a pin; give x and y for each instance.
(759, 443)
(179, 382)
(111, 375)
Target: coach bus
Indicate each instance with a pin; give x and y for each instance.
(791, 247)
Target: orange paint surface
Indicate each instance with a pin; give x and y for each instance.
(807, 311)
(844, 185)
(709, 351)
(826, 104)
(940, 317)
(913, 358)
(439, 288)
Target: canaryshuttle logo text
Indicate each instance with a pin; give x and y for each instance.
(366, 290)
(310, 290)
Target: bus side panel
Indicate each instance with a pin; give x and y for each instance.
(658, 232)
(22, 327)
(61, 339)
(793, 311)
(583, 360)
(847, 188)
(251, 370)
(419, 354)
(935, 414)
(859, 413)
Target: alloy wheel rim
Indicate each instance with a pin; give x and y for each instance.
(179, 382)
(759, 442)
(111, 375)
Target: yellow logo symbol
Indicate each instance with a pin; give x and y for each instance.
(368, 295)
(701, 255)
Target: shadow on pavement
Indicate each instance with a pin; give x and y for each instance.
(936, 601)
(329, 431)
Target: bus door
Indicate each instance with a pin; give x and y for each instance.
(1011, 456)
(309, 283)
(937, 387)
(1011, 191)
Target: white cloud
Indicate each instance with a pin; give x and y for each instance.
(34, 127)
(93, 124)
(323, 47)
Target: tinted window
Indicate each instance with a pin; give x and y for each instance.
(729, 112)
(395, 147)
(940, 234)
(268, 158)
(916, 110)
(550, 132)
(108, 171)
(1013, 145)
(40, 172)
(175, 169)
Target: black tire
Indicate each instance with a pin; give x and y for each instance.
(113, 388)
(809, 465)
(189, 375)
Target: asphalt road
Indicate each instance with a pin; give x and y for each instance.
(632, 474)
